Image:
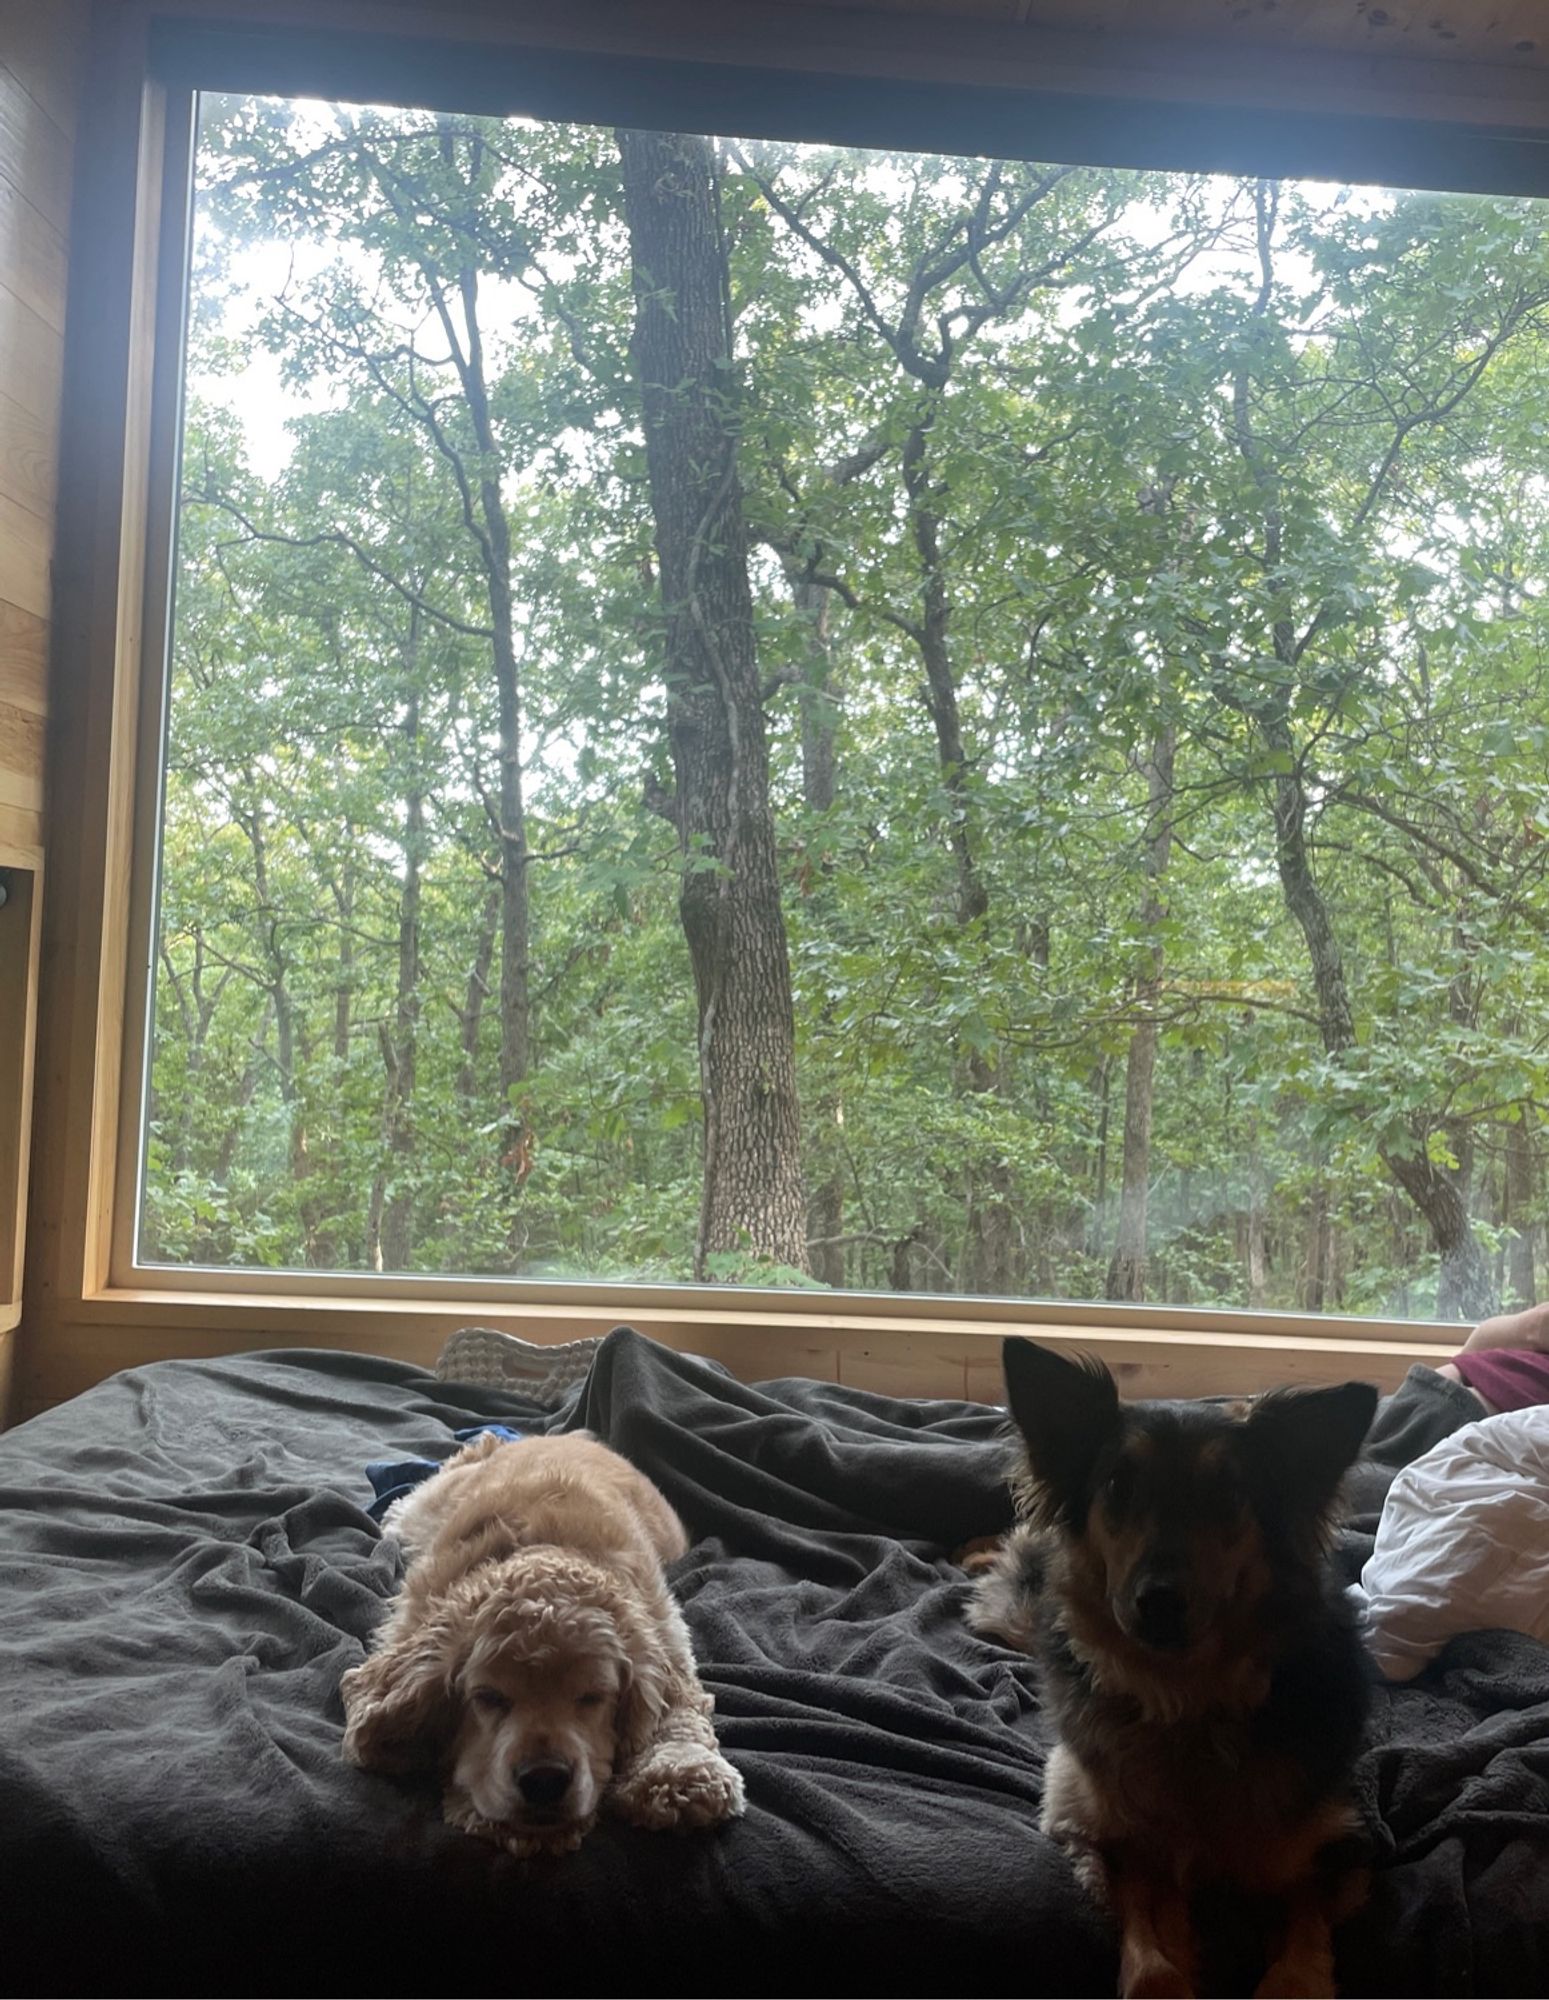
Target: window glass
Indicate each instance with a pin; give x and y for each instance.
(794, 716)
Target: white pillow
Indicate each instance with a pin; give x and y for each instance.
(1463, 1544)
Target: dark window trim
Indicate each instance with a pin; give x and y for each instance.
(502, 78)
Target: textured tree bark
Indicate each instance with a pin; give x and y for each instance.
(989, 1242)
(515, 993)
(471, 1014)
(344, 991)
(819, 767)
(1465, 1290)
(1256, 1256)
(973, 896)
(1521, 1276)
(288, 1029)
(1255, 1247)
(392, 1207)
(495, 549)
(1320, 1246)
(1127, 1267)
(326, 1160)
(196, 1005)
(478, 477)
(819, 708)
(753, 1202)
(1099, 1218)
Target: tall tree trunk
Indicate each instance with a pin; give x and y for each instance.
(931, 635)
(1255, 1253)
(344, 983)
(470, 1015)
(392, 1200)
(1320, 1246)
(1464, 1286)
(287, 1026)
(329, 1142)
(491, 528)
(1517, 1205)
(819, 717)
(1099, 1223)
(196, 1011)
(231, 1137)
(484, 508)
(819, 707)
(1255, 1246)
(988, 1239)
(753, 1202)
(1127, 1267)
(515, 908)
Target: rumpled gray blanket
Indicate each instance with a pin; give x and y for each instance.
(186, 1569)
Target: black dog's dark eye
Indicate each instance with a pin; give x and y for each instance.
(590, 1700)
(490, 1699)
(1119, 1486)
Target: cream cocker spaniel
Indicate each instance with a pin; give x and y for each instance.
(536, 1657)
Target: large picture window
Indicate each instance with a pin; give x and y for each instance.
(791, 716)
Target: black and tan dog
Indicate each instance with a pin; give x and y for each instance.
(1202, 1671)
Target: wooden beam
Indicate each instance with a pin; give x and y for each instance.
(947, 1356)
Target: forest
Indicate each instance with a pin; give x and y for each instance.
(781, 715)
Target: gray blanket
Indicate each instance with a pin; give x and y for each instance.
(186, 1569)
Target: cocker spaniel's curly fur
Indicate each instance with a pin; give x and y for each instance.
(535, 1658)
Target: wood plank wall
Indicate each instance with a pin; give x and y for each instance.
(41, 49)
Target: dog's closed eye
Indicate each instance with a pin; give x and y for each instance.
(491, 1700)
(593, 1700)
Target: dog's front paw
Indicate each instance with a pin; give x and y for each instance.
(679, 1787)
(1156, 1978)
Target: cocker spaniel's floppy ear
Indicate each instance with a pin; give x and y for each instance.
(400, 1703)
(647, 1675)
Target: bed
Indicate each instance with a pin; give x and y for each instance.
(187, 1567)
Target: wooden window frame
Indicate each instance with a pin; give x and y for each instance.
(919, 83)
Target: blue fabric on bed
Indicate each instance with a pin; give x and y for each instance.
(392, 1478)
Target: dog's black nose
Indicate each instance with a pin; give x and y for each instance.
(1162, 1613)
(543, 1784)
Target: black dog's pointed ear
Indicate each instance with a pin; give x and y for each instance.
(1309, 1439)
(1066, 1411)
